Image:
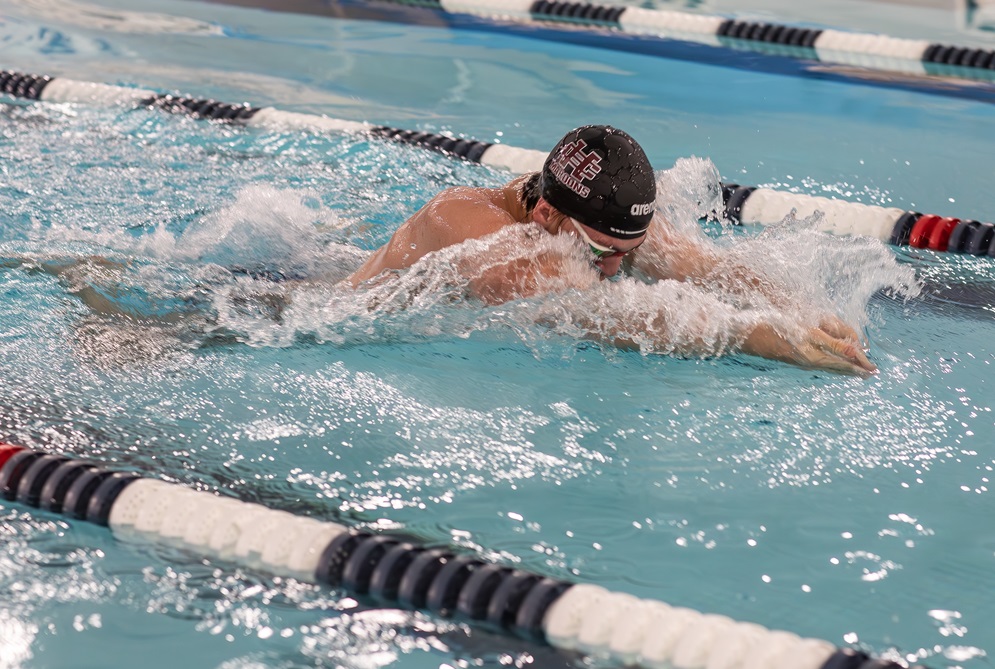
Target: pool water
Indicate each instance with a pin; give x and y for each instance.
(846, 509)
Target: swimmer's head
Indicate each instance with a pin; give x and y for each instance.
(601, 177)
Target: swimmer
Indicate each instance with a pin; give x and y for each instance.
(598, 185)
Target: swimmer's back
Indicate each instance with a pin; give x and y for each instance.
(451, 217)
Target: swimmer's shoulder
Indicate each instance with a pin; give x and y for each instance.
(465, 212)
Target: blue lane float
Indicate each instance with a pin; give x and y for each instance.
(397, 571)
(742, 204)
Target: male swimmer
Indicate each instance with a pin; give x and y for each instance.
(598, 185)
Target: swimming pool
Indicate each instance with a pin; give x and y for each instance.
(843, 509)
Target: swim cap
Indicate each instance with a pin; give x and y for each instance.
(600, 176)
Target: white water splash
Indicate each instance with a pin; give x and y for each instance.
(266, 270)
(816, 273)
(688, 192)
(264, 229)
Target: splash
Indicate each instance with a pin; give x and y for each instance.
(267, 271)
(803, 271)
(265, 229)
(688, 192)
(827, 273)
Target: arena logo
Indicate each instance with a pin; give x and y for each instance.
(641, 209)
(573, 166)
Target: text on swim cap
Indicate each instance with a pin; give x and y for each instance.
(641, 209)
(573, 166)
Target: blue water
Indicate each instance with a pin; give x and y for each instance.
(850, 510)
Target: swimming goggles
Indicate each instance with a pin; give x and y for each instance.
(599, 250)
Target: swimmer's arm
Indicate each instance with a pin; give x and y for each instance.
(812, 349)
(668, 254)
(816, 349)
(496, 280)
(68, 269)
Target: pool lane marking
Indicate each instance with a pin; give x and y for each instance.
(868, 50)
(748, 204)
(395, 570)
(742, 204)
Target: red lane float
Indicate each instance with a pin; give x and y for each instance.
(919, 237)
(939, 238)
(7, 452)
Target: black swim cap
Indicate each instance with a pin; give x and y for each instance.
(600, 176)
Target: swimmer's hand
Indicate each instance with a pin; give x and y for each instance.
(817, 350)
(835, 327)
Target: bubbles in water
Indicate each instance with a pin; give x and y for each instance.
(18, 637)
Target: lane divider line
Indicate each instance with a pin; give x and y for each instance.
(742, 204)
(748, 204)
(860, 49)
(395, 570)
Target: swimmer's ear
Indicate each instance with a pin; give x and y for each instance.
(547, 216)
(540, 213)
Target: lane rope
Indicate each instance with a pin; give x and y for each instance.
(749, 204)
(860, 49)
(396, 570)
(742, 204)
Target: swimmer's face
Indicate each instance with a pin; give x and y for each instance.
(608, 252)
